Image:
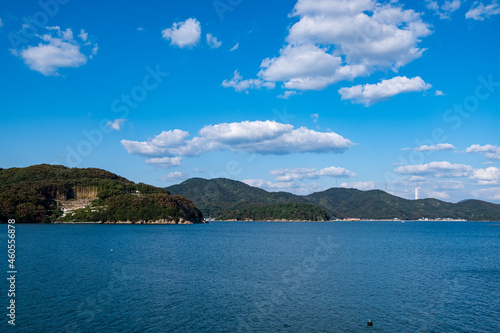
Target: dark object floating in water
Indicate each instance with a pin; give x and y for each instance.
(369, 323)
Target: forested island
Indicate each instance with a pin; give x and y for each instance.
(54, 193)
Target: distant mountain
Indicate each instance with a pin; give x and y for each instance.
(229, 200)
(220, 198)
(40, 193)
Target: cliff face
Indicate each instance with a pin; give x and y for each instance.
(77, 192)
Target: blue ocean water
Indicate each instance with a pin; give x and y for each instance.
(256, 277)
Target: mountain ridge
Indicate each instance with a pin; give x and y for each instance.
(220, 196)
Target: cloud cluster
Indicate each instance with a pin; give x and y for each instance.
(213, 42)
(259, 137)
(369, 94)
(444, 11)
(240, 85)
(437, 147)
(487, 176)
(165, 162)
(58, 49)
(284, 175)
(490, 151)
(183, 34)
(337, 40)
(488, 193)
(480, 12)
(437, 169)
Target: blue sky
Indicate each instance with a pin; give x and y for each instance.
(297, 96)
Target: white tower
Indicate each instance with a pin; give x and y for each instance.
(416, 193)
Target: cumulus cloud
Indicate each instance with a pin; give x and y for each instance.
(480, 12)
(337, 40)
(183, 34)
(165, 162)
(445, 9)
(240, 85)
(116, 124)
(57, 49)
(260, 137)
(488, 193)
(369, 94)
(438, 147)
(490, 151)
(175, 176)
(283, 175)
(437, 169)
(488, 176)
(363, 186)
(213, 42)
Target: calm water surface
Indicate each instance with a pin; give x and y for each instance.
(257, 277)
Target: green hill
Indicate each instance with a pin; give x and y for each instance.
(227, 199)
(37, 194)
(224, 198)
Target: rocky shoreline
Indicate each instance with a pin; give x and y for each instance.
(181, 221)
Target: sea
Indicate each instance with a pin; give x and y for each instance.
(255, 277)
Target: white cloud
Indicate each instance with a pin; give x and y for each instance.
(445, 9)
(363, 186)
(260, 137)
(1, 23)
(57, 49)
(292, 186)
(488, 193)
(165, 162)
(245, 131)
(213, 42)
(175, 176)
(140, 29)
(488, 176)
(240, 85)
(83, 35)
(436, 194)
(315, 117)
(448, 185)
(170, 139)
(183, 34)
(307, 67)
(338, 40)
(437, 169)
(438, 147)
(440, 93)
(283, 175)
(270, 185)
(116, 124)
(235, 47)
(479, 11)
(287, 94)
(490, 151)
(369, 94)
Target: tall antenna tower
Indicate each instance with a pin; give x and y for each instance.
(416, 193)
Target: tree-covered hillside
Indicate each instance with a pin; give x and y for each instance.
(221, 198)
(33, 194)
(227, 199)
